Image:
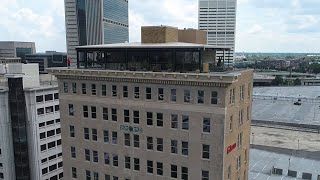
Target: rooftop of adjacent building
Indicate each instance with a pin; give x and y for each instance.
(47, 53)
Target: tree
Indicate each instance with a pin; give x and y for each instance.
(297, 82)
(278, 80)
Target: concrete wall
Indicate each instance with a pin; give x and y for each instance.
(159, 34)
(30, 73)
(192, 36)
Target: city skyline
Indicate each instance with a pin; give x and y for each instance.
(263, 26)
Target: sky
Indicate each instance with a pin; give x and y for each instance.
(262, 25)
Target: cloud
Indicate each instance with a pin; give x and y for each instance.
(255, 29)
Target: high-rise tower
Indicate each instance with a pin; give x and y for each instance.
(92, 22)
(218, 18)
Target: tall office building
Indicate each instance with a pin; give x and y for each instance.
(30, 139)
(91, 22)
(141, 111)
(218, 18)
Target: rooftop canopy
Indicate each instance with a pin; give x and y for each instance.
(171, 57)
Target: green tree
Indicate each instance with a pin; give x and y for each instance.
(297, 82)
(278, 80)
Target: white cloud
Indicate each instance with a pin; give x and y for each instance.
(255, 29)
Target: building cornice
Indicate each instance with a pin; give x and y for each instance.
(166, 78)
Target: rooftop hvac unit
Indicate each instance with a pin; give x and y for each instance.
(292, 173)
(277, 171)
(306, 176)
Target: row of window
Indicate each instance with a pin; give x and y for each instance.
(48, 110)
(153, 167)
(50, 133)
(47, 97)
(148, 94)
(51, 168)
(49, 123)
(50, 145)
(55, 177)
(152, 118)
(50, 158)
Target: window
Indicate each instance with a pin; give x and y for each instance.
(159, 119)
(204, 175)
(87, 154)
(136, 141)
(159, 144)
(74, 172)
(185, 122)
(95, 156)
(71, 130)
(56, 108)
(245, 155)
(184, 173)
(50, 133)
(206, 125)
(115, 160)
(248, 113)
(73, 152)
(239, 140)
(127, 139)
(114, 114)
(231, 123)
(71, 110)
(127, 162)
(44, 171)
(104, 90)
(174, 146)
(229, 172)
(185, 148)
(115, 178)
(125, 91)
(232, 96)
(241, 117)
(42, 124)
(136, 92)
(114, 138)
(86, 133)
(85, 111)
(136, 162)
(242, 92)
(159, 168)
(205, 151)
(42, 147)
(214, 97)
(39, 99)
(49, 109)
(150, 167)
(42, 135)
(174, 121)
(93, 112)
(136, 117)
(93, 89)
(74, 88)
(126, 116)
(84, 88)
(40, 111)
(57, 120)
(59, 142)
(174, 171)
(238, 162)
(187, 96)
(200, 97)
(88, 175)
(148, 93)
(149, 118)
(249, 90)
(173, 96)
(106, 136)
(160, 94)
(56, 96)
(52, 167)
(94, 135)
(114, 90)
(105, 114)
(95, 176)
(106, 158)
(150, 143)
(65, 87)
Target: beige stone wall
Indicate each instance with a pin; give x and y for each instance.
(159, 34)
(231, 137)
(193, 36)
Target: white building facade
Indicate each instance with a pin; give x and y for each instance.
(218, 18)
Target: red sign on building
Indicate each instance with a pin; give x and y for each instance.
(231, 148)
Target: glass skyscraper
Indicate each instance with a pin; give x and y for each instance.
(92, 22)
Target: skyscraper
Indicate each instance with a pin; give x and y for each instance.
(92, 22)
(218, 18)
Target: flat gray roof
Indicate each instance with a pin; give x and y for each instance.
(152, 45)
(261, 163)
(277, 104)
